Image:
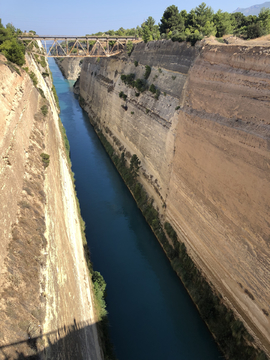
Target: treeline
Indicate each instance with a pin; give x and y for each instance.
(199, 22)
(10, 47)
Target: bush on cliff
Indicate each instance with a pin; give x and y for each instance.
(152, 88)
(147, 72)
(129, 47)
(128, 79)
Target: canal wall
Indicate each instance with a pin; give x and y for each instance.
(70, 67)
(46, 306)
(203, 143)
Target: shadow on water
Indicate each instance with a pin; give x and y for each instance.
(64, 343)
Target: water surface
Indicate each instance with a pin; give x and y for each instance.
(150, 312)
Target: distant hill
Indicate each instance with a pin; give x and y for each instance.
(253, 10)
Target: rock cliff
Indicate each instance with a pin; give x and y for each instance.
(70, 67)
(204, 146)
(46, 305)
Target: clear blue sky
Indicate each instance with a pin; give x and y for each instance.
(80, 17)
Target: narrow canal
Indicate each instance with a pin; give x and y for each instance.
(150, 312)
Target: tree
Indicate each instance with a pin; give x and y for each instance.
(171, 20)
(255, 30)
(223, 22)
(150, 22)
(147, 36)
(13, 51)
(11, 28)
(264, 18)
(203, 14)
(209, 29)
(129, 47)
(139, 31)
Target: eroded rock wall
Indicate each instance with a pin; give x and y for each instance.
(220, 184)
(46, 305)
(70, 67)
(141, 124)
(204, 148)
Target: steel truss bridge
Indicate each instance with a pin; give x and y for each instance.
(77, 46)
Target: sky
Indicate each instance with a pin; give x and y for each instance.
(81, 17)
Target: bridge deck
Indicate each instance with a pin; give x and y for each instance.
(83, 38)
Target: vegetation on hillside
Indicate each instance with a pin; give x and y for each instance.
(10, 47)
(199, 22)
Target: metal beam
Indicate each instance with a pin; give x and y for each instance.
(98, 49)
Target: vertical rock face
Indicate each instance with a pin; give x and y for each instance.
(141, 124)
(70, 67)
(205, 152)
(45, 303)
(220, 184)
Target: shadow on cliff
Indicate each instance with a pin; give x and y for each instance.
(76, 341)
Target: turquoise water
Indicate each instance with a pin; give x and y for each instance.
(150, 312)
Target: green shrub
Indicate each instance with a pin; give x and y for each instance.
(55, 96)
(153, 88)
(147, 111)
(177, 107)
(122, 95)
(194, 37)
(12, 67)
(33, 78)
(255, 30)
(99, 289)
(129, 47)
(45, 74)
(43, 61)
(44, 110)
(128, 79)
(45, 159)
(173, 77)
(178, 36)
(132, 112)
(140, 85)
(137, 94)
(147, 72)
(157, 94)
(41, 92)
(136, 63)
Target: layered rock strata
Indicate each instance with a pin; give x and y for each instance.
(46, 306)
(204, 151)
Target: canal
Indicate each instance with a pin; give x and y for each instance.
(151, 315)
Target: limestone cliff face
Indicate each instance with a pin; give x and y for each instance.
(205, 152)
(45, 303)
(220, 184)
(70, 67)
(147, 126)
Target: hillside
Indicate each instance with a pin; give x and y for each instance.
(253, 10)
